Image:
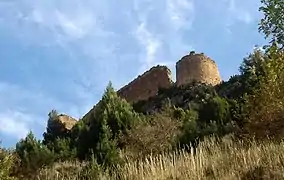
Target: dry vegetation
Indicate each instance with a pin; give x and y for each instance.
(150, 138)
(226, 159)
(116, 142)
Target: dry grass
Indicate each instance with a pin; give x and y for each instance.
(228, 159)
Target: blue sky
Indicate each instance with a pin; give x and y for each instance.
(61, 54)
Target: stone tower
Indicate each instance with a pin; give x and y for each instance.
(197, 67)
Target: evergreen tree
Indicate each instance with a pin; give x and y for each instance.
(112, 112)
(55, 129)
(33, 154)
(106, 151)
(118, 113)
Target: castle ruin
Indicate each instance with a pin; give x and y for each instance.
(147, 84)
(190, 68)
(197, 67)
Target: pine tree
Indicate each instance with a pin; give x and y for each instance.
(33, 154)
(119, 114)
(106, 149)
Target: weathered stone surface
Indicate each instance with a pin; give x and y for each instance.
(197, 67)
(193, 67)
(147, 84)
(68, 121)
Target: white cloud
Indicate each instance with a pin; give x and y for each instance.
(151, 45)
(227, 13)
(46, 22)
(160, 32)
(70, 27)
(15, 124)
(23, 109)
(85, 24)
(74, 27)
(103, 41)
(181, 13)
(240, 11)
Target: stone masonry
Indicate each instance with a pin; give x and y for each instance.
(197, 67)
(144, 86)
(147, 84)
(192, 67)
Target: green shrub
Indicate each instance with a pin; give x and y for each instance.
(92, 170)
(7, 161)
(193, 130)
(215, 109)
(33, 154)
(63, 149)
(154, 136)
(111, 117)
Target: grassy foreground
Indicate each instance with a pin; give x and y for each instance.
(226, 159)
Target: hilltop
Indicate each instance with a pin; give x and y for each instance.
(152, 116)
(191, 68)
(198, 127)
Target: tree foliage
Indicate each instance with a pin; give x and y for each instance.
(7, 162)
(55, 129)
(252, 101)
(33, 154)
(265, 106)
(272, 24)
(111, 117)
(118, 113)
(106, 149)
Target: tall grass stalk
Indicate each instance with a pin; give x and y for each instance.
(213, 159)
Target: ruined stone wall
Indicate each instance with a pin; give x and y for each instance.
(147, 84)
(193, 67)
(197, 67)
(144, 86)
